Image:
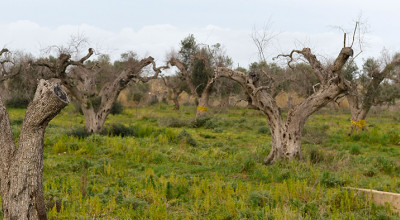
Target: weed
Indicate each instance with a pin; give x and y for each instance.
(355, 149)
(264, 130)
(316, 155)
(330, 180)
(172, 122)
(185, 137)
(79, 132)
(116, 108)
(120, 130)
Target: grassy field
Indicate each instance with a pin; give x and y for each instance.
(155, 163)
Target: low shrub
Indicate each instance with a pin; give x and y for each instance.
(117, 108)
(199, 122)
(330, 180)
(264, 130)
(17, 121)
(261, 199)
(186, 137)
(79, 132)
(17, 102)
(172, 122)
(119, 130)
(316, 155)
(355, 149)
(394, 137)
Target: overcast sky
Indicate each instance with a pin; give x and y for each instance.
(154, 27)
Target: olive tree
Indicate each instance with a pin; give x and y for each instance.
(286, 132)
(22, 165)
(176, 85)
(81, 81)
(195, 63)
(371, 87)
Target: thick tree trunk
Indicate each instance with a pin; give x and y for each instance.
(94, 121)
(175, 98)
(21, 177)
(202, 107)
(286, 143)
(176, 102)
(358, 115)
(358, 111)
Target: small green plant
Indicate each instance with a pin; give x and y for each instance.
(17, 101)
(248, 164)
(316, 155)
(199, 122)
(394, 137)
(330, 180)
(355, 149)
(261, 199)
(172, 122)
(264, 130)
(117, 108)
(79, 132)
(185, 137)
(119, 130)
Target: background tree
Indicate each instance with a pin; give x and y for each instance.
(369, 88)
(22, 166)
(82, 82)
(286, 134)
(176, 85)
(225, 88)
(4, 73)
(22, 85)
(195, 63)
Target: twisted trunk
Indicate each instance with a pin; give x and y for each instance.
(358, 115)
(22, 167)
(175, 99)
(202, 107)
(286, 135)
(94, 121)
(286, 142)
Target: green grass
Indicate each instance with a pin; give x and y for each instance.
(161, 164)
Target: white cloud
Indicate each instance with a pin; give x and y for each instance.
(156, 40)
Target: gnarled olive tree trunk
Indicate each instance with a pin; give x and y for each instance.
(175, 99)
(80, 82)
(358, 113)
(286, 134)
(22, 167)
(202, 107)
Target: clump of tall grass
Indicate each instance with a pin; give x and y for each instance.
(172, 122)
(186, 137)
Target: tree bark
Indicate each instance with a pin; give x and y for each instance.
(175, 98)
(94, 121)
(358, 114)
(202, 107)
(22, 167)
